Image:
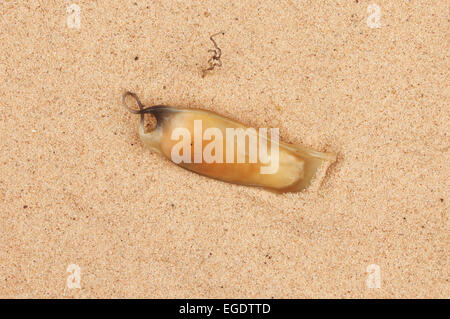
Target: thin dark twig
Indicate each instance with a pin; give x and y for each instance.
(217, 53)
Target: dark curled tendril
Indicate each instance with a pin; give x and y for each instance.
(154, 109)
(141, 110)
(124, 97)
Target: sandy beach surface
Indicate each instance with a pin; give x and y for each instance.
(87, 211)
